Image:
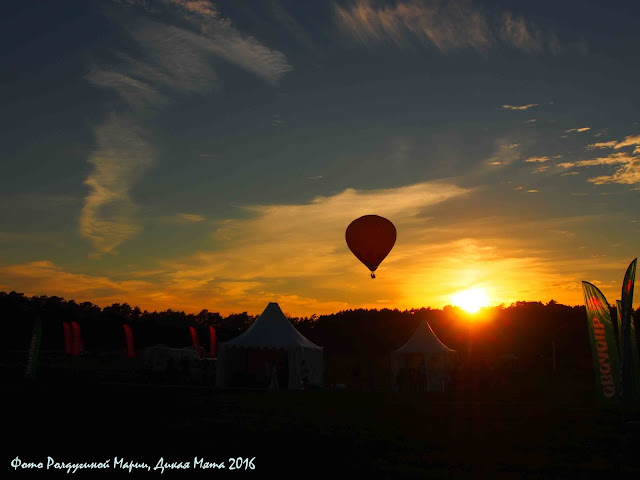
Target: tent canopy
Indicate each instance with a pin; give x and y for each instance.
(424, 355)
(272, 330)
(251, 353)
(424, 341)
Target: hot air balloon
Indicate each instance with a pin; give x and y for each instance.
(370, 239)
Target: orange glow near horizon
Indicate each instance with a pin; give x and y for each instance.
(472, 299)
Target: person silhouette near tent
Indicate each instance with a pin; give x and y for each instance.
(272, 376)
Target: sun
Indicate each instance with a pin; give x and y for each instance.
(472, 299)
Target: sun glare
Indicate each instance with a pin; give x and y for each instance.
(472, 299)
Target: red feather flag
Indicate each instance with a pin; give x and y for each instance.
(195, 340)
(78, 346)
(128, 334)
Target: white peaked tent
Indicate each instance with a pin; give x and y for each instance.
(256, 352)
(424, 354)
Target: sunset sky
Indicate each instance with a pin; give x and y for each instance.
(194, 154)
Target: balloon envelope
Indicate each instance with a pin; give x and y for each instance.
(371, 238)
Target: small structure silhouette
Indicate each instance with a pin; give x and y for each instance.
(270, 339)
(423, 363)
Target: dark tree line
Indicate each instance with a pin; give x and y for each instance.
(102, 328)
(529, 330)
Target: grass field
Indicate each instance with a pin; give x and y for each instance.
(541, 428)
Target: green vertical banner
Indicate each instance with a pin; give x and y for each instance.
(635, 357)
(34, 349)
(635, 366)
(628, 387)
(603, 345)
(619, 317)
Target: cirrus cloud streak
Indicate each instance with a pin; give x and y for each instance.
(173, 61)
(448, 26)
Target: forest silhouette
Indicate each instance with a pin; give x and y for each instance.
(543, 337)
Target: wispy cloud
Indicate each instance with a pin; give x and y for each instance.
(516, 31)
(136, 93)
(537, 159)
(505, 153)
(173, 59)
(628, 171)
(628, 174)
(200, 7)
(519, 107)
(183, 53)
(448, 26)
(580, 130)
(120, 158)
(630, 141)
(613, 159)
(170, 61)
(540, 169)
(244, 51)
(610, 144)
(190, 217)
(520, 33)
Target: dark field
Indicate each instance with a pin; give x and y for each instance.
(537, 428)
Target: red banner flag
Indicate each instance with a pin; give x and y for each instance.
(213, 343)
(67, 338)
(128, 335)
(196, 340)
(78, 347)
